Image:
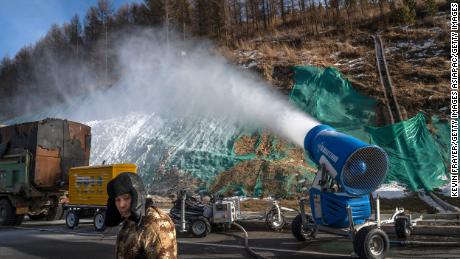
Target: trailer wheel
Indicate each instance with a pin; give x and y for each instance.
(98, 220)
(72, 219)
(302, 233)
(402, 227)
(200, 227)
(371, 243)
(8, 215)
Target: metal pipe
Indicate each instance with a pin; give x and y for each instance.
(378, 210)
(278, 211)
(302, 210)
(350, 221)
(182, 218)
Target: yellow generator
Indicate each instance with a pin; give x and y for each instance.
(88, 192)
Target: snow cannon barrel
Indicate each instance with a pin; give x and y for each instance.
(358, 168)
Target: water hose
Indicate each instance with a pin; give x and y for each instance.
(246, 242)
(425, 243)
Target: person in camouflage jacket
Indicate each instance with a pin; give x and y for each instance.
(147, 232)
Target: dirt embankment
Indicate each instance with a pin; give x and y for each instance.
(273, 168)
(417, 56)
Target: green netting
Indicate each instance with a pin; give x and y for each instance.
(328, 97)
(414, 157)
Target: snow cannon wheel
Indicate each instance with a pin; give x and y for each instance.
(274, 222)
(303, 233)
(200, 227)
(72, 219)
(371, 243)
(402, 227)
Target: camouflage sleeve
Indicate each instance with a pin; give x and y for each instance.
(159, 239)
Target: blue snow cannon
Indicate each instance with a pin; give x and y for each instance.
(359, 168)
(350, 170)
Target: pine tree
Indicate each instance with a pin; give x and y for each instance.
(73, 35)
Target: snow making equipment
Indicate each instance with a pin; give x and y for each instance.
(349, 171)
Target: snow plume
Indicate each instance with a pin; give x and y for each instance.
(175, 80)
(187, 80)
(176, 107)
(182, 80)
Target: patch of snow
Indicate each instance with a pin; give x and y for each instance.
(435, 29)
(391, 190)
(417, 49)
(438, 53)
(443, 109)
(350, 63)
(251, 64)
(404, 44)
(428, 43)
(391, 49)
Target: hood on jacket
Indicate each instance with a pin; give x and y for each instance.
(125, 183)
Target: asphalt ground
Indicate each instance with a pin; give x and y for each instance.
(41, 239)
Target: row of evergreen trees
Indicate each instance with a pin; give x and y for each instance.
(46, 70)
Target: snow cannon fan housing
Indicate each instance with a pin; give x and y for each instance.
(358, 168)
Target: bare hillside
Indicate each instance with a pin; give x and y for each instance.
(417, 55)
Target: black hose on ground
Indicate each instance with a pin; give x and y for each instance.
(424, 243)
(246, 243)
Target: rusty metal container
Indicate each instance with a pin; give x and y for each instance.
(55, 145)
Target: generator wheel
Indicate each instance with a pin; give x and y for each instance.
(371, 243)
(98, 220)
(303, 233)
(8, 215)
(402, 227)
(72, 219)
(274, 222)
(200, 227)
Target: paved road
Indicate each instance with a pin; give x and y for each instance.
(54, 240)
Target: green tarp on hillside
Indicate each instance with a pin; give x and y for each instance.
(329, 98)
(415, 157)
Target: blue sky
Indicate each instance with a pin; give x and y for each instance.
(24, 22)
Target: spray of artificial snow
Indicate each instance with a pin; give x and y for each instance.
(185, 80)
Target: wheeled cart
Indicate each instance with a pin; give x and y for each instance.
(88, 192)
